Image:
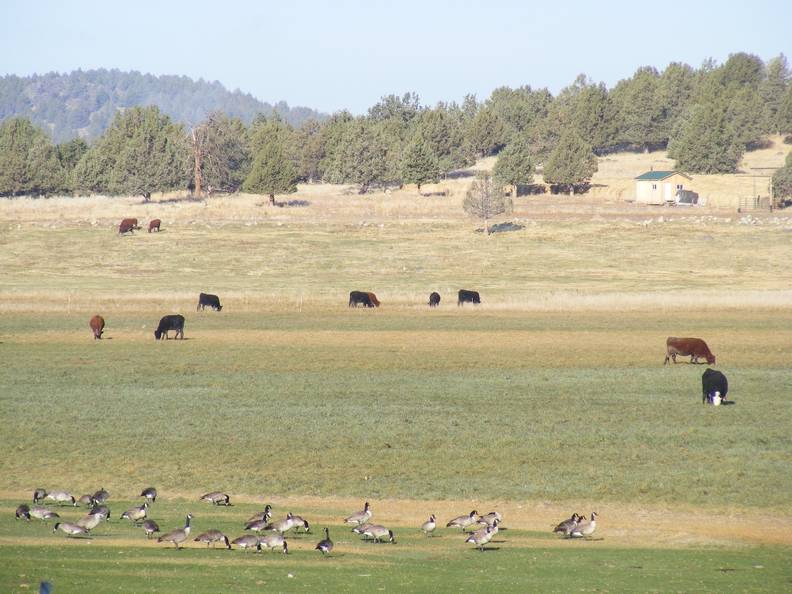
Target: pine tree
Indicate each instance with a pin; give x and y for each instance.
(272, 172)
(772, 90)
(486, 134)
(419, 164)
(782, 180)
(785, 113)
(29, 161)
(486, 199)
(706, 143)
(572, 162)
(514, 165)
(221, 155)
(360, 156)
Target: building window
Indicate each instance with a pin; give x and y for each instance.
(679, 186)
(654, 186)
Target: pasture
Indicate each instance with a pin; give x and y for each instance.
(549, 398)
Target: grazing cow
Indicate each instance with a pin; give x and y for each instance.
(97, 325)
(154, 225)
(207, 300)
(363, 298)
(168, 323)
(434, 299)
(695, 347)
(128, 226)
(468, 297)
(713, 381)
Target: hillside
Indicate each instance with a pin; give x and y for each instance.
(83, 103)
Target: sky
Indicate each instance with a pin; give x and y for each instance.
(347, 54)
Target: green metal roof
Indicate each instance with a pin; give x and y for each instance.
(655, 175)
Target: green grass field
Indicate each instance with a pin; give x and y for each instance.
(549, 398)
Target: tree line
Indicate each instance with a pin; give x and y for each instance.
(706, 118)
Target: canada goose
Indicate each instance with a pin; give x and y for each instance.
(257, 525)
(490, 518)
(101, 495)
(216, 498)
(86, 500)
(274, 541)
(136, 514)
(150, 493)
(360, 517)
(567, 525)
(150, 527)
(101, 510)
(39, 494)
(90, 521)
(429, 526)
(361, 529)
(61, 497)
(299, 522)
(378, 532)
(211, 537)
(23, 511)
(70, 529)
(281, 526)
(463, 522)
(585, 527)
(265, 515)
(42, 513)
(179, 535)
(481, 537)
(247, 542)
(325, 545)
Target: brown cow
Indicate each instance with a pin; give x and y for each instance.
(373, 298)
(154, 225)
(97, 325)
(127, 226)
(695, 347)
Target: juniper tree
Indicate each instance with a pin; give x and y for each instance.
(272, 171)
(514, 165)
(419, 164)
(29, 161)
(572, 162)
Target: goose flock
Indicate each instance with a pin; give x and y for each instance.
(267, 534)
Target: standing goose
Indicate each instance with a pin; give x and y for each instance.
(42, 513)
(39, 494)
(378, 532)
(216, 498)
(463, 522)
(360, 517)
(150, 493)
(136, 514)
(61, 497)
(179, 535)
(211, 537)
(281, 526)
(247, 542)
(70, 529)
(265, 515)
(490, 518)
(101, 496)
(325, 545)
(567, 525)
(23, 511)
(150, 527)
(585, 527)
(429, 526)
(274, 541)
(481, 537)
(90, 521)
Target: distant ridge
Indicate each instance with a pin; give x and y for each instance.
(83, 102)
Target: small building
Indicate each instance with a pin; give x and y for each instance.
(659, 187)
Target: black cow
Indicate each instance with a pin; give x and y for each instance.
(207, 300)
(434, 299)
(713, 381)
(361, 298)
(168, 323)
(468, 297)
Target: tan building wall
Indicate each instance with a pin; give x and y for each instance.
(659, 191)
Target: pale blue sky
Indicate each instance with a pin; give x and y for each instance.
(347, 54)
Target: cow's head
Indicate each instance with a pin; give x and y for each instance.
(219, 307)
(157, 334)
(711, 359)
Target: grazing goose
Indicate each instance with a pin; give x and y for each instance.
(463, 522)
(211, 537)
(274, 541)
(283, 525)
(61, 497)
(39, 494)
(136, 514)
(42, 513)
(150, 527)
(567, 525)
(217, 498)
(361, 529)
(70, 529)
(179, 535)
(298, 522)
(101, 510)
(585, 527)
(23, 511)
(247, 542)
(150, 493)
(90, 521)
(258, 525)
(378, 532)
(429, 526)
(325, 545)
(360, 517)
(481, 537)
(86, 500)
(101, 496)
(266, 515)
(490, 518)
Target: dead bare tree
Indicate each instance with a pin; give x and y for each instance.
(486, 199)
